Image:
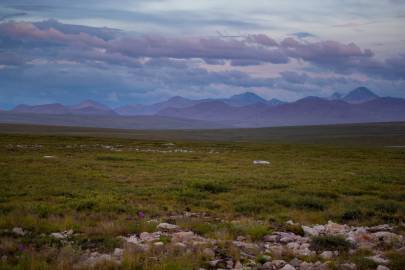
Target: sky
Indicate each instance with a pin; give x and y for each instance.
(144, 51)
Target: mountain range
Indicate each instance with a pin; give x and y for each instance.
(243, 110)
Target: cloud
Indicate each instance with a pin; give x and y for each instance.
(302, 35)
(52, 59)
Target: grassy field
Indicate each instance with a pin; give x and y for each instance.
(54, 179)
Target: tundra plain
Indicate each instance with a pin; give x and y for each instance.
(105, 185)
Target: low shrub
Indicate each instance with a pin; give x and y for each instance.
(352, 214)
(330, 242)
(210, 187)
(310, 203)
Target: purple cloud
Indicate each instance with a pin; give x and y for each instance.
(54, 40)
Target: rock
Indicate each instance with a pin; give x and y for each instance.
(149, 237)
(118, 252)
(293, 245)
(305, 266)
(182, 237)
(303, 251)
(261, 162)
(348, 266)
(382, 267)
(214, 263)
(334, 228)
(209, 253)
(180, 246)
(290, 222)
(167, 227)
(271, 238)
(62, 235)
(240, 238)
(383, 227)
(18, 231)
(378, 259)
(96, 259)
(295, 262)
(229, 264)
(159, 244)
(279, 263)
(308, 231)
(132, 239)
(276, 250)
(388, 238)
(288, 267)
(326, 255)
(249, 248)
(267, 266)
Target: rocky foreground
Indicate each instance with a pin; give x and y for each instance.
(329, 246)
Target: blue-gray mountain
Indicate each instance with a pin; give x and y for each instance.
(244, 110)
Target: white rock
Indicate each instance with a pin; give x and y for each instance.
(383, 227)
(118, 252)
(279, 263)
(308, 231)
(348, 266)
(327, 255)
(57, 235)
(132, 239)
(388, 237)
(182, 236)
(261, 162)
(149, 237)
(167, 227)
(18, 231)
(378, 259)
(293, 245)
(382, 267)
(288, 267)
(208, 252)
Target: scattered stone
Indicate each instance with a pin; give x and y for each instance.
(261, 162)
(182, 237)
(62, 235)
(378, 259)
(209, 253)
(326, 255)
(288, 267)
(167, 227)
(295, 262)
(150, 237)
(18, 231)
(348, 266)
(118, 252)
(379, 228)
(279, 263)
(382, 267)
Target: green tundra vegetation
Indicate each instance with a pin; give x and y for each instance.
(97, 184)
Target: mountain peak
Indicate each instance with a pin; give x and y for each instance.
(360, 95)
(244, 99)
(91, 103)
(177, 99)
(335, 96)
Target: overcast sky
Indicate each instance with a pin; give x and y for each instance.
(142, 51)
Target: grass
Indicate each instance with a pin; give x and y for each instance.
(98, 192)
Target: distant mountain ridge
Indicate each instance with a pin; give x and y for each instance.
(87, 107)
(243, 110)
